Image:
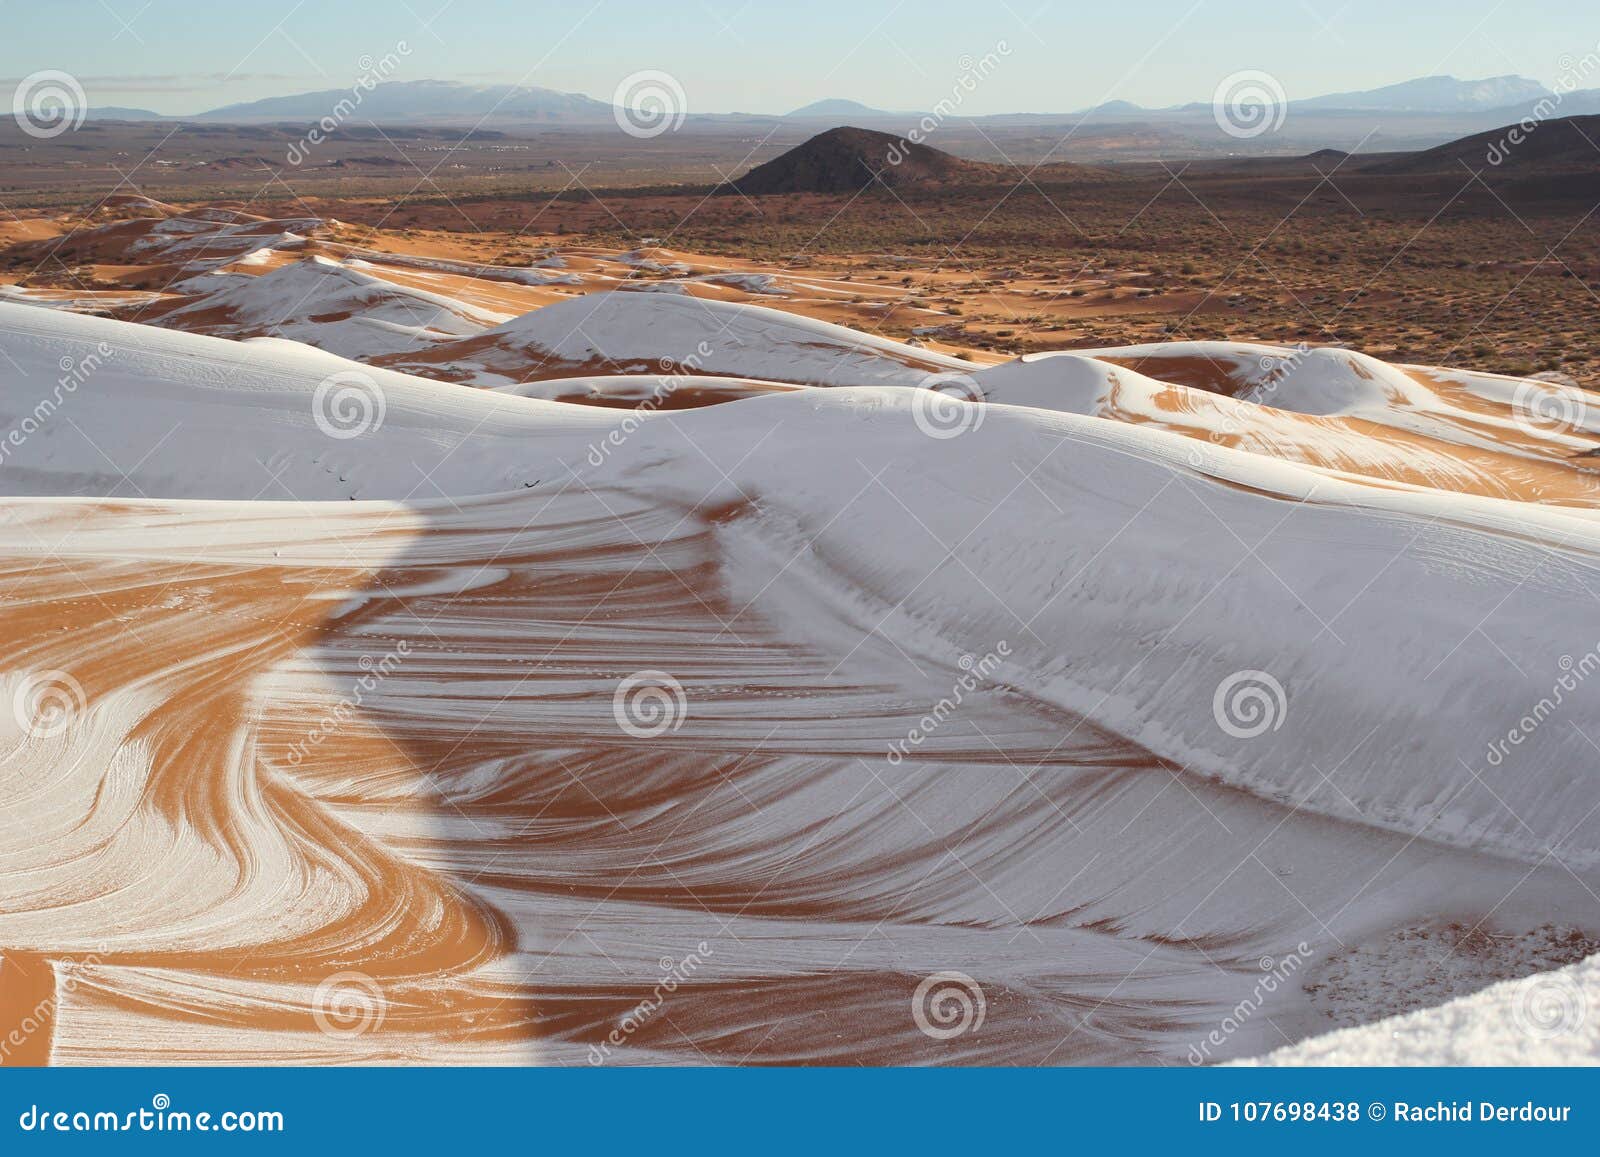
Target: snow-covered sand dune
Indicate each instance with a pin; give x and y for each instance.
(321, 302)
(1123, 707)
(625, 332)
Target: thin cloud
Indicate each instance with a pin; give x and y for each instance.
(175, 83)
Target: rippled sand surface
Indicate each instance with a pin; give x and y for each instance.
(859, 706)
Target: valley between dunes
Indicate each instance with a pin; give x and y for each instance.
(617, 660)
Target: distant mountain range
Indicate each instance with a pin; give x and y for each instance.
(1415, 114)
(836, 110)
(117, 113)
(1433, 94)
(406, 102)
(1428, 94)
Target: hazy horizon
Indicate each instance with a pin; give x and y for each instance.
(885, 53)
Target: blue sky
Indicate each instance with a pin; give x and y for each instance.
(178, 56)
